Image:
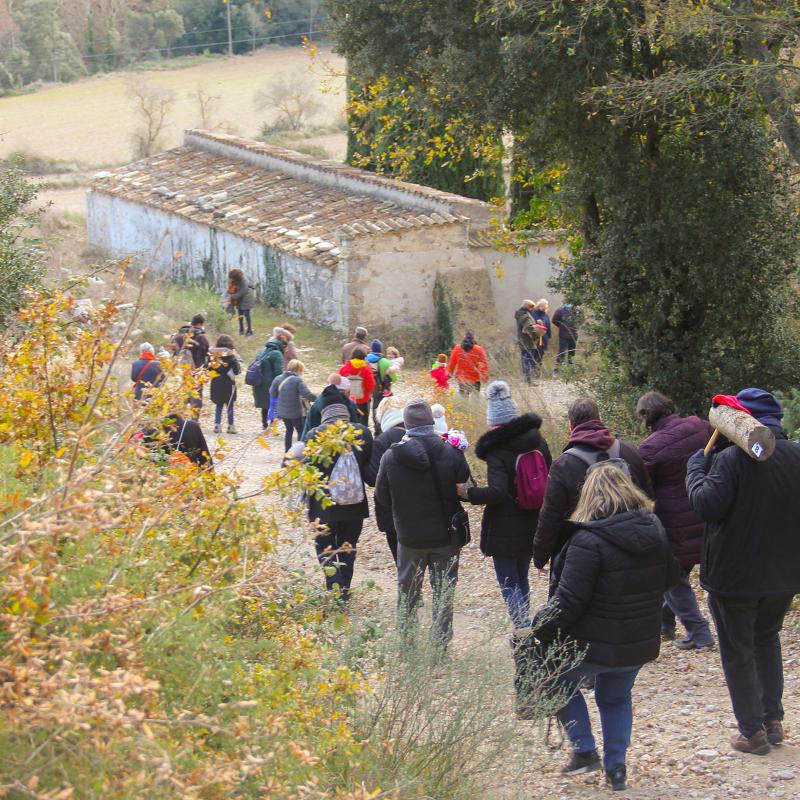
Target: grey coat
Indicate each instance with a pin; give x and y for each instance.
(289, 387)
(243, 297)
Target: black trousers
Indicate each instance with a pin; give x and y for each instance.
(748, 630)
(336, 552)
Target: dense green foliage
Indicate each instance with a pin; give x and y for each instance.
(19, 265)
(393, 129)
(60, 40)
(682, 236)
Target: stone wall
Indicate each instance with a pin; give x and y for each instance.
(184, 252)
(517, 277)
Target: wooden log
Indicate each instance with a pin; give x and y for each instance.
(746, 432)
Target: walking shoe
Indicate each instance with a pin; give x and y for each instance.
(616, 778)
(581, 763)
(232, 429)
(249, 333)
(757, 744)
(774, 731)
(217, 429)
(687, 643)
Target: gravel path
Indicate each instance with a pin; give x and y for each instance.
(683, 719)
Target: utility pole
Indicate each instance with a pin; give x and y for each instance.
(230, 29)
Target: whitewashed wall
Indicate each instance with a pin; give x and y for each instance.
(393, 275)
(185, 251)
(520, 277)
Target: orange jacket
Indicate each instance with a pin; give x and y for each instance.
(357, 366)
(470, 367)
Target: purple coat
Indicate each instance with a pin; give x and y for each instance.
(665, 453)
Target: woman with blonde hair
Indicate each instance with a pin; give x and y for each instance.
(606, 591)
(293, 399)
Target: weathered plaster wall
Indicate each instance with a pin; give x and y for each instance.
(392, 276)
(515, 278)
(185, 251)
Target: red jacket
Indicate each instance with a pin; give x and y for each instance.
(469, 367)
(357, 366)
(441, 377)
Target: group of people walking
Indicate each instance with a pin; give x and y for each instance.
(620, 527)
(535, 329)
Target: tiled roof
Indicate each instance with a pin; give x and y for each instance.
(290, 201)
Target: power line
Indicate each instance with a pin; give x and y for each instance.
(122, 53)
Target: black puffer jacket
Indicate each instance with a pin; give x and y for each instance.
(383, 514)
(225, 366)
(751, 546)
(334, 513)
(607, 587)
(406, 482)
(506, 529)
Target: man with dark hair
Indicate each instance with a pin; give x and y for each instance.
(590, 441)
(200, 344)
(751, 567)
(665, 452)
(564, 319)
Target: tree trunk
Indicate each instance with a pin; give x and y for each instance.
(779, 106)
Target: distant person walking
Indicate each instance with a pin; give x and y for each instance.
(665, 453)
(347, 508)
(507, 529)
(291, 347)
(526, 338)
(418, 479)
(359, 340)
(606, 590)
(291, 392)
(225, 366)
(146, 372)
(751, 567)
(332, 393)
(469, 364)
(362, 381)
(565, 319)
(241, 299)
(270, 364)
(542, 319)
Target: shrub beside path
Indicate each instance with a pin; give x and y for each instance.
(683, 719)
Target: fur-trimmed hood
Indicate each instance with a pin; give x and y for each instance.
(519, 436)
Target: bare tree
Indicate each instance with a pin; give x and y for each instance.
(292, 96)
(207, 106)
(152, 105)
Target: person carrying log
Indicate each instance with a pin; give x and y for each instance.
(750, 563)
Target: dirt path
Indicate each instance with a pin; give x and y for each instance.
(682, 719)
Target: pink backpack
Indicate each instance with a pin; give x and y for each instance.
(531, 480)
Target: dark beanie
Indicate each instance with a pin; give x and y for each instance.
(417, 414)
(765, 407)
(376, 346)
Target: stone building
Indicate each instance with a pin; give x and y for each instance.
(327, 242)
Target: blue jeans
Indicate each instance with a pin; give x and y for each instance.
(682, 601)
(528, 363)
(512, 575)
(218, 413)
(612, 693)
(244, 316)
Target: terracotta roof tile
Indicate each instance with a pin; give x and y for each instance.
(292, 212)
